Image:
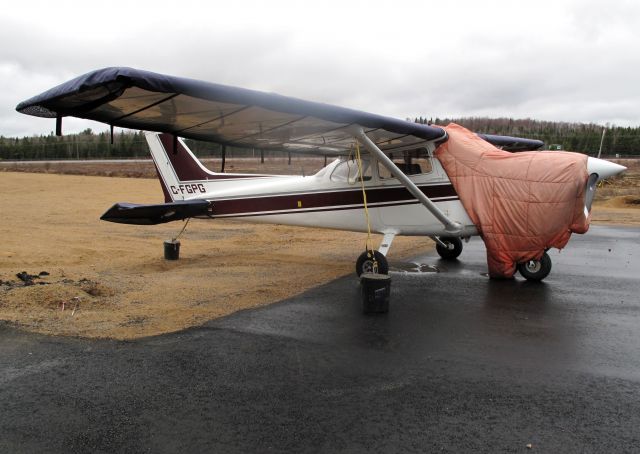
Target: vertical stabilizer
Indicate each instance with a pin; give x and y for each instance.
(177, 166)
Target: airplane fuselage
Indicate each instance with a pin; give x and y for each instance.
(332, 198)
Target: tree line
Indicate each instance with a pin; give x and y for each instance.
(84, 145)
(87, 144)
(582, 137)
(90, 145)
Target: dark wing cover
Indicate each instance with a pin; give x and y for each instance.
(130, 213)
(512, 143)
(136, 99)
(194, 109)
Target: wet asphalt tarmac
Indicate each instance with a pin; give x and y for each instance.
(459, 364)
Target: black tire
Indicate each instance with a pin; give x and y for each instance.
(536, 270)
(451, 252)
(365, 263)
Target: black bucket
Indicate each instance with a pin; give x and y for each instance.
(375, 289)
(172, 250)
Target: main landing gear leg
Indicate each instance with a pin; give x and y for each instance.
(448, 247)
(376, 263)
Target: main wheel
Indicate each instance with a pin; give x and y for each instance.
(536, 270)
(453, 249)
(365, 263)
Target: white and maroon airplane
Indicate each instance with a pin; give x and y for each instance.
(395, 186)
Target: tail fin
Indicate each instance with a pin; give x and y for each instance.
(181, 174)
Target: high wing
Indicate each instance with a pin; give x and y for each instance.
(137, 99)
(509, 143)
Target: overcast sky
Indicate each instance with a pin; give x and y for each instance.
(550, 60)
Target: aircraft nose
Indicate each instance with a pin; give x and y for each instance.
(604, 169)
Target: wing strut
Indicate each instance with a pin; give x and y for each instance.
(450, 226)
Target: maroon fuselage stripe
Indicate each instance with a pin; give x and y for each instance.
(323, 200)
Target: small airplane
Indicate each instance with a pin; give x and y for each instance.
(387, 178)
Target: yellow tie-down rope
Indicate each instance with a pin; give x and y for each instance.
(368, 246)
(184, 227)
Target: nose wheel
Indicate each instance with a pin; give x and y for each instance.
(536, 270)
(450, 248)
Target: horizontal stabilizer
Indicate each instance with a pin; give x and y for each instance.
(131, 213)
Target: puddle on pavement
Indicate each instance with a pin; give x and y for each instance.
(410, 267)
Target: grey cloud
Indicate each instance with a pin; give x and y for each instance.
(580, 66)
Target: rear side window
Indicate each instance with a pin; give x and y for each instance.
(411, 162)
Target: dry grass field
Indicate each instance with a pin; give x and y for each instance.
(111, 280)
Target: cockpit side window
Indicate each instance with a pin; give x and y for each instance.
(347, 171)
(411, 162)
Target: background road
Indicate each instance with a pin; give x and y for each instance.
(461, 363)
